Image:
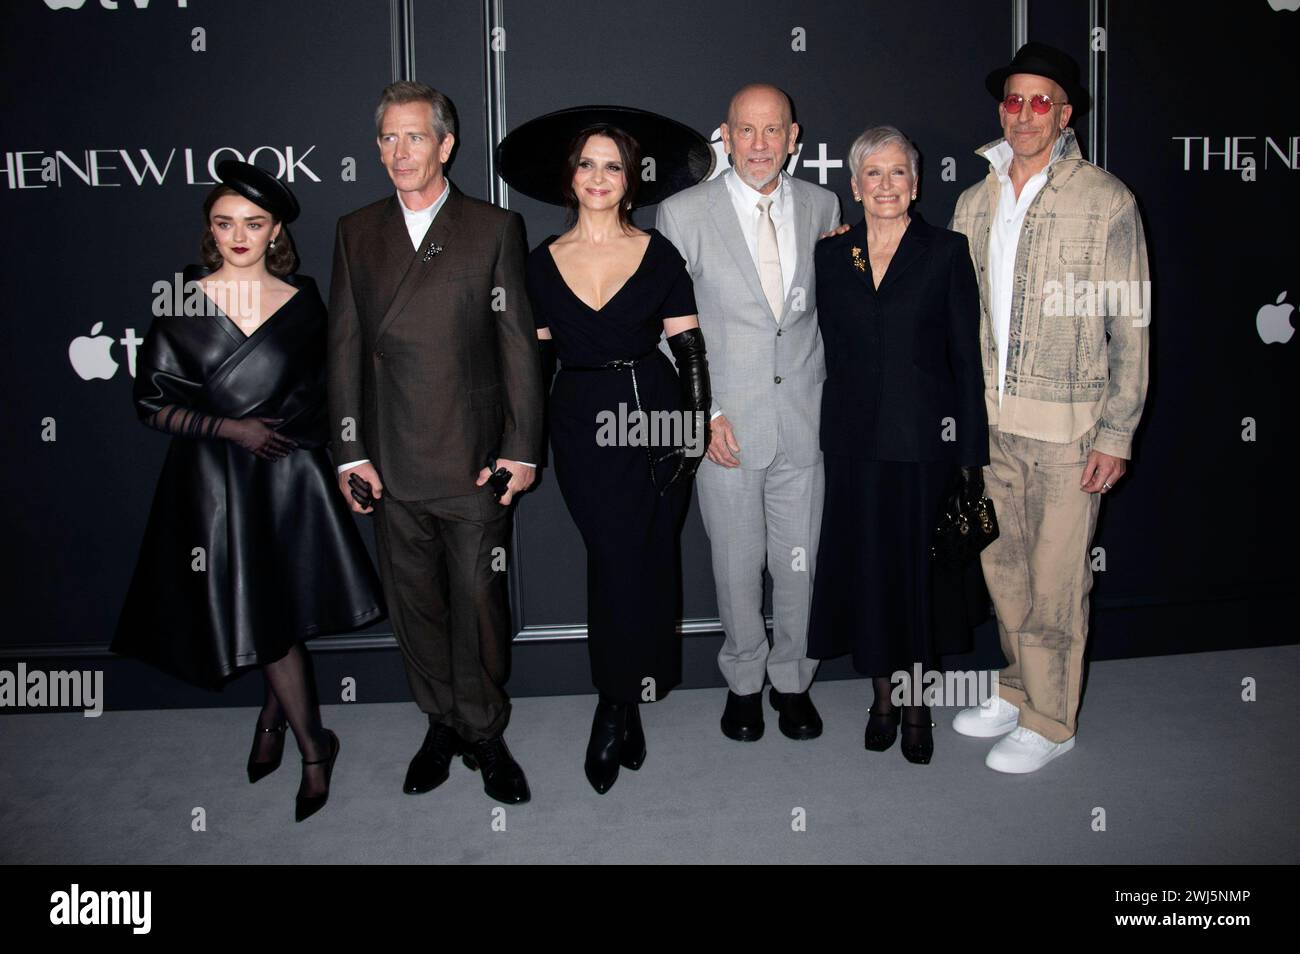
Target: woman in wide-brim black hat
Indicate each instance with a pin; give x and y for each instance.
(603, 294)
(249, 549)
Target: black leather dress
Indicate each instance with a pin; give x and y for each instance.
(243, 557)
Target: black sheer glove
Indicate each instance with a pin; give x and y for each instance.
(693, 372)
(546, 348)
(255, 434)
(187, 422)
(258, 436)
(971, 486)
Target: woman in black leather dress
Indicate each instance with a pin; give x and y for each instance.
(603, 294)
(248, 549)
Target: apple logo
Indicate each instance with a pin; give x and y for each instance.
(78, 4)
(1273, 322)
(90, 357)
(1289, 5)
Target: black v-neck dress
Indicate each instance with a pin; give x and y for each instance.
(631, 532)
(243, 557)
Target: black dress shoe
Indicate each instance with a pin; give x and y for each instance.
(633, 754)
(260, 770)
(882, 729)
(503, 779)
(799, 719)
(918, 740)
(431, 765)
(742, 719)
(304, 806)
(604, 748)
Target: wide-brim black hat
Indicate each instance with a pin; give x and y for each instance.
(259, 187)
(532, 158)
(1042, 60)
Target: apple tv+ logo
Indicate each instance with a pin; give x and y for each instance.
(1273, 322)
(91, 355)
(112, 4)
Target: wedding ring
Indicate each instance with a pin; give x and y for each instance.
(1105, 486)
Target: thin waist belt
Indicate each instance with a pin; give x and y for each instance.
(620, 364)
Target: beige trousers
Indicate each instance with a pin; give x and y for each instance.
(1039, 574)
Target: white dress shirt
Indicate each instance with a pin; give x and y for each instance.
(417, 226)
(744, 198)
(1004, 239)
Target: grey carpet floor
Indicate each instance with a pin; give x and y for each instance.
(1180, 769)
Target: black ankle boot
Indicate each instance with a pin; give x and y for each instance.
(633, 754)
(604, 749)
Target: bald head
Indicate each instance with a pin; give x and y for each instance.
(759, 133)
(762, 97)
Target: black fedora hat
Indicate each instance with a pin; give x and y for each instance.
(259, 187)
(532, 157)
(1042, 60)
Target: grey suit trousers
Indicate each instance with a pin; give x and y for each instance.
(758, 517)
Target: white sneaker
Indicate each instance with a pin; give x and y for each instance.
(1024, 750)
(994, 717)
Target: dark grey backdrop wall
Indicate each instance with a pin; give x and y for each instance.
(114, 118)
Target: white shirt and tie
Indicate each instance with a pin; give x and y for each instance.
(417, 225)
(767, 222)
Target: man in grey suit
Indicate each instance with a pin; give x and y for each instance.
(747, 237)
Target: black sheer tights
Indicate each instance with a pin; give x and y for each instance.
(914, 718)
(291, 697)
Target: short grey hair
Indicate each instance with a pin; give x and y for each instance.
(409, 91)
(875, 139)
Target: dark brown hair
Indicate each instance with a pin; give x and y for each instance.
(629, 153)
(280, 260)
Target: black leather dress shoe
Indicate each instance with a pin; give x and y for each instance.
(503, 779)
(742, 719)
(799, 719)
(605, 747)
(431, 765)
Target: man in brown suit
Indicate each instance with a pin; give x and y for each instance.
(434, 384)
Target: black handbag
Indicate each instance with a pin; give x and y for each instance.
(962, 533)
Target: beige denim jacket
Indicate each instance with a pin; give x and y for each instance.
(1080, 308)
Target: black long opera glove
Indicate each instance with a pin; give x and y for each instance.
(693, 372)
(546, 348)
(971, 486)
(257, 435)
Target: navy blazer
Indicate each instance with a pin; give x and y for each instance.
(904, 377)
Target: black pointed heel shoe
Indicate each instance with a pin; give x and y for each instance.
(632, 755)
(260, 770)
(307, 805)
(604, 748)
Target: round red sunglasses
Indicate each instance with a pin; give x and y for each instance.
(1039, 103)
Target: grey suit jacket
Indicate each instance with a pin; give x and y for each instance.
(766, 377)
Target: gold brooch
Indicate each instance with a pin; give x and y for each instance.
(858, 263)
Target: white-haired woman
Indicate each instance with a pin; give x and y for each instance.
(902, 421)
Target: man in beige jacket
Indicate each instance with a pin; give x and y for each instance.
(1059, 250)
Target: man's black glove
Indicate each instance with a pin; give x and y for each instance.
(693, 372)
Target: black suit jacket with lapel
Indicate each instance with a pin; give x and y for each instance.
(903, 358)
(432, 351)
